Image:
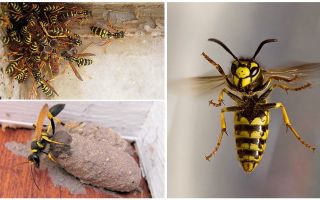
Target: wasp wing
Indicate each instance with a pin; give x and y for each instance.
(39, 124)
(198, 85)
(304, 73)
(84, 54)
(50, 87)
(75, 71)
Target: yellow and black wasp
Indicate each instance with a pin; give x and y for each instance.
(103, 33)
(42, 139)
(77, 58)
(252, 85)
(45, 87)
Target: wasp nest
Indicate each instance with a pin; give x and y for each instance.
(37, 39)
(97, 156)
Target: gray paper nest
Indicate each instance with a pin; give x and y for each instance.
(97, 156)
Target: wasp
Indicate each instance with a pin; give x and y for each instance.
(82, 61)
(14, 36)
(5, 39)
(68, 15)
(24, 30)
(26, 6)
(42, 139)
(34, 47)
(103, 33)
(75, 39)
(22, 75)
(59, 30)
(27, 38)
(53, 8)
(13, 64)
(77, 59)
(45, 87)
(251, 85)
(16, 7)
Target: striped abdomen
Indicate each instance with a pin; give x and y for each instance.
(251, 132)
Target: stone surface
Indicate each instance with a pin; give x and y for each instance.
(97, 156)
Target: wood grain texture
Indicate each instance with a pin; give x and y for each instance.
(16, 180)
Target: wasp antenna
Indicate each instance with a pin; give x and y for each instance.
(32, 174)
(261, 45)
(224, 46)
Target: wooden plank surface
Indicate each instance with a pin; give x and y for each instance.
(16, 180)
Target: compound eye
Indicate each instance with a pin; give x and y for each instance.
(254, 71)
(233, 69)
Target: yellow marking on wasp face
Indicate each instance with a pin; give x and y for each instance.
(34, 150)
(236, 80)
(242, 72)
(245, 82)
(253, 64)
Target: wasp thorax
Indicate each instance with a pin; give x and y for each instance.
(244, 72)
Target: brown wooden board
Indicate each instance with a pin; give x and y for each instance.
(16, 180)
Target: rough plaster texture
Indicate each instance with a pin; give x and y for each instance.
(96, 156)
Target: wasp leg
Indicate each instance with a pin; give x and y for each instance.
(287, 122)
(219, 68)
(281, 78)
(220, 98)
(46, 138)
(223, 128)
(286, 88)
(50, 156)
(216, 65)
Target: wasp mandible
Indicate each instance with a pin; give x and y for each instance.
(252, 85)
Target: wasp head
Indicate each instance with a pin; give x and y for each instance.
(119, 34)
(245, 72)
(34, 159)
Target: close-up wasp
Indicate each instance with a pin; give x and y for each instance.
(253, 85)
(41, 139)
(104, 33)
